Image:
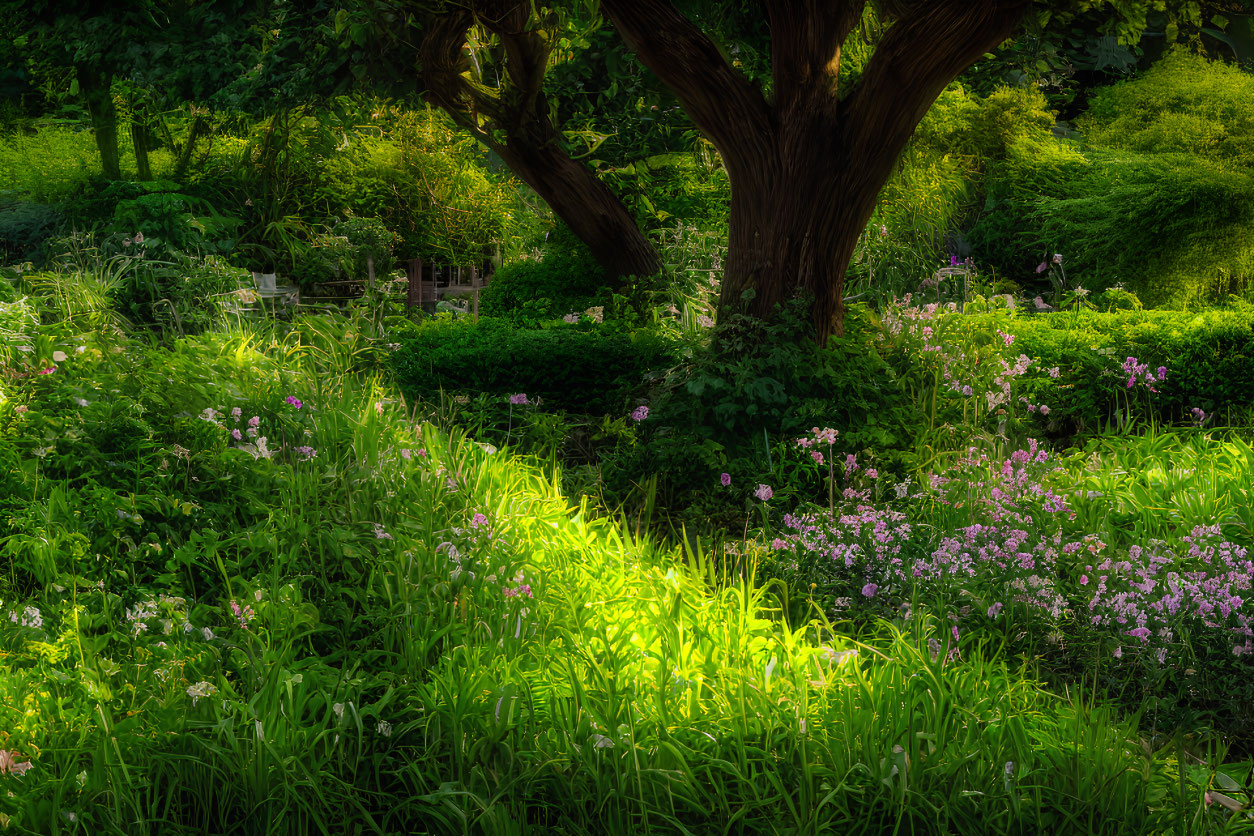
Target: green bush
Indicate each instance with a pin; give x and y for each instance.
(24, 227)
(1160, 200)
(1209, 359)
(588, 371)
(1184, 104)
(429, 183)
(566, 279)
(939, 185)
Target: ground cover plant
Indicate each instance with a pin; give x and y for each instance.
(261, 594)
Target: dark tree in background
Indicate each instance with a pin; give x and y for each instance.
(511, 115)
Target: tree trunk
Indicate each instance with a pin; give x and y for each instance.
(199, 127)
(95, 87)
(139, 139)
(594, 214)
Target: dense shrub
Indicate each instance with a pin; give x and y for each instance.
(1159, 200)
(430, 184)
(565, 279)
(24, 226)
(584, 370)
(1184, 104)
(1209, 358)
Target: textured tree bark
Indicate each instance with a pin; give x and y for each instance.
(516, 125)
(807, 166)
(94, 85)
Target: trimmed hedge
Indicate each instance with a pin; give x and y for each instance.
(1209, 357)
(578, 369)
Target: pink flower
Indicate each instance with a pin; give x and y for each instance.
(725, 479)
(817, 456)
(1042, 267)
(994, 610)
(237, 435)
(236, 412)
(869, 590)
(48, 370)
(294, 401)
(640, 413)
(1044, 409)
(406, 453)
(254, 421)
(478, 520)
(518, 400)
(764, 492)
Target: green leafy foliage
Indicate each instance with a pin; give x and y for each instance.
(1209, 359)
(1173, 224)
(599, 370)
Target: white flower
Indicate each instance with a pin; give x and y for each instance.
(200, 689)
(384, 728)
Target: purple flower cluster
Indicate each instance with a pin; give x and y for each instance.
(1006, 552)
(1138, 372)
(1152, 596)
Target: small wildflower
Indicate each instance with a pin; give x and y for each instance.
(640, 413)
(519, 400)
(384, 728)
(380, 532)
(764, 492)
(200, 689)
(406, 453)
(725, 479)
(478, 520)
(869, 590)
(236, 413)
(307, 453)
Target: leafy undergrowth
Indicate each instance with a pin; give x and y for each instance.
(244, 592)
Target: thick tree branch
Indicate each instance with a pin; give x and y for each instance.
(806, 37)
(721, 101)
(918, 57)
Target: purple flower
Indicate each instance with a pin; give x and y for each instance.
(519, 400)
(640, 413)
(478, 520)
(994, 610)
(869, 590)
(307, 453)
(294, 401)
(764, 492)
(953, 261)
(237, 435)
(1042, 267)
(236, 412)
(1162, 373)
(725, 479)
(254, 421)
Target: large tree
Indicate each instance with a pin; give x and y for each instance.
(807, 161)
